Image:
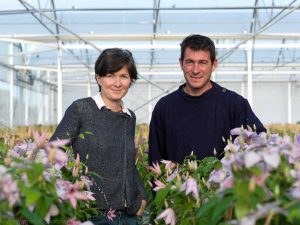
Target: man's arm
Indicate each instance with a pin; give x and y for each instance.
(247, 117)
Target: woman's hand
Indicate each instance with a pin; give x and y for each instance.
(141, 210)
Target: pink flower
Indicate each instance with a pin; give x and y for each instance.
(168, 216)
(227, 183)
(73, 221)
(169, 165)
(260, 180)
(158, 185)
(73, 194)
(111, 214)
(190, 186)
(40, 138)
(155, 168)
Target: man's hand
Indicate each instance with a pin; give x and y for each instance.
(141, 210)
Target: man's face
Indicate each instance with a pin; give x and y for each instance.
(197, 69)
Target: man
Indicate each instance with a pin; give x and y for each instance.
(200, 114)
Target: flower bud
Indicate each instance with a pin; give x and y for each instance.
(252, 184)
(77, 162)
(75, 171)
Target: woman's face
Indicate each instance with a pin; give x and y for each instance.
(114, 86)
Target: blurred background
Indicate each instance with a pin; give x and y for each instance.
(48, 49)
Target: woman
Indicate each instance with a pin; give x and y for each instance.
(110, 147)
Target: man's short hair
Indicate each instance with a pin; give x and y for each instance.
(198, 42)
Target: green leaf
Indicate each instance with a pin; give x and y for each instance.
(32, 195)
(32, 217)
(219, 211)
(43, 205)
(242, 208)
(88, 132)
(81, 136)
(8, 221)
(160, 196)
(207, 206)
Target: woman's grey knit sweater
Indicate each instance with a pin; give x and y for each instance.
(111, 152)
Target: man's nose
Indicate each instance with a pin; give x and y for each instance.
(196, 68)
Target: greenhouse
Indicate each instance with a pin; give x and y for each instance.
(48, 52)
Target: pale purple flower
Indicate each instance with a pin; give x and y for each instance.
(227, 161)
(261, 212)
(158, 185)
(217, 176)
(22, 148)
(297, 140)
(190, 186)
(251, 159)
(295, 193)
(236, 131)
(53, 211)
(295, 152)
(232, 148)
(9, 189)
(173, 175)
(111, 214)
(155, 168)
(168, 216)
(272, 159)
(3, 169)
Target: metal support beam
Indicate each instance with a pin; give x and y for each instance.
(249, 72)
(289, 102)
(11, 84)
(26, 100)
(59, 83)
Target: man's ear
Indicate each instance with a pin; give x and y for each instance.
(181, 62)
(214, 65)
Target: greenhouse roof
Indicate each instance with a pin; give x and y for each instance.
(67, 36)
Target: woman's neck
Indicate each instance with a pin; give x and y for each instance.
(115, 106)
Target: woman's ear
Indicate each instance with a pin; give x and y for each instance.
(98, 79)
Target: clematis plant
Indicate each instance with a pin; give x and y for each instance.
(38, 184)
(257, 181)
